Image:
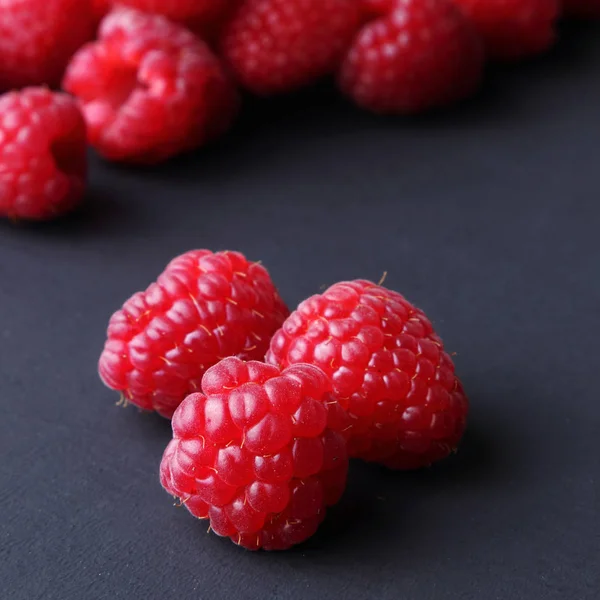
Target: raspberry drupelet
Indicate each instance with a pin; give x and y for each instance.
(38, 37)
(204, 307)
(412, 56)
(513, 29)
(389, 371)
(254, 454)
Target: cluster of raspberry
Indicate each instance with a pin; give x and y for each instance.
(268, 407)
(150, 79)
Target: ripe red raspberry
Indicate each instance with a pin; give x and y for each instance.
(203, 307)
(149, 89)
(38, 37)
(254, 455)
(513, 29)
(418, 55)
(582, 8)
(42, 154)
(389, 371)
(276, 46)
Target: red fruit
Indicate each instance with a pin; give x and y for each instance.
(275, 46)
(42, 154)
(513, 29)
(38, 37)
(417, 55)
(582, 8)
(202, 308)
(149, 89)
(254, 455)
(389, 371)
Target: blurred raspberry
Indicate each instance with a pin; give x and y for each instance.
(149, 89)
(514, 29)
(38, 37)
(413, 56)
(42, 154)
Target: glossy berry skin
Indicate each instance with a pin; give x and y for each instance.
(202, 308)
(389, 371)
(513, 29)
(38, 37)
(582, 8)
(43, 164)
(149, 89)
(277, 46)
(253, 453)
(414, 55)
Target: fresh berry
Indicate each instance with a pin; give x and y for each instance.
(149, 89)
(253, 453)
(513, 29)
(417, 55)
(203, 307)
(389, 371)
(38, 37)
(42, 154)
(582, 8)
(275, 46)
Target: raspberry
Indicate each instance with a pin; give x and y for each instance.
(276, 46)
(202, 308)
(37, 38)
(389, 371)
(42, 154)
(582, 8)
(417, 55)
(513, 29)
(149, 89)
(254, 455)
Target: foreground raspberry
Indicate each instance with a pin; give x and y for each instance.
(149, 89)
(38, 37)
(389, 371)
(582, 8)
(276, 46)
(416, 55)
(513, 29)
(42, 154)
(203, 307)
(253, 454)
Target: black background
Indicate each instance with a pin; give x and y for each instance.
(487, 216)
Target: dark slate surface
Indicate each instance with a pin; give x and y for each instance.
(487, 216)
